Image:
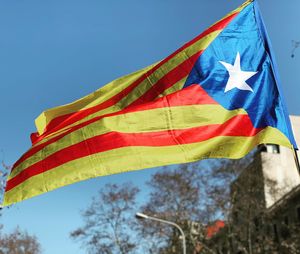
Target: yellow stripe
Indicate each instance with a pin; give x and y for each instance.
(135, 158)
(161, 119)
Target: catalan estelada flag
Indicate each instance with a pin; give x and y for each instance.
(218, 96)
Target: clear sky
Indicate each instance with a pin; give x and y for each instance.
(55, 51)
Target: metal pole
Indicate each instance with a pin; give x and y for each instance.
(144, 216)
(296, 160)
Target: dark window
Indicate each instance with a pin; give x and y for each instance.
(284, 231)
(236, 217)
(262, 148)
(276, 238)
(256, 223)
(286, 220)
(284, 228)
(268, 229)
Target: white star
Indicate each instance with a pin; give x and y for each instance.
(237, 77)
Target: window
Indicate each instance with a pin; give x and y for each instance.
(298, 213)
(286, 220)
(262, 148)
(276, 238)
(273, 148)
(268, 229)
(284, 229)
(236, 217)
(285, 232)
(256, 223)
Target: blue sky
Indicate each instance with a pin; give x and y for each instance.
(53, 52)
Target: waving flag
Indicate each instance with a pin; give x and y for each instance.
(216, 97)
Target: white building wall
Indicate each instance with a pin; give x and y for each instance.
(279, 170)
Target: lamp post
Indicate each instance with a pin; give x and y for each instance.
(146, 217)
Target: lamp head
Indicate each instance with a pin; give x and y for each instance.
(141, 216)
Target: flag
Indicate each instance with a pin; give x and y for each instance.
(218, 96)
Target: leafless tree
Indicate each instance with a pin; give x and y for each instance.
(109, 221)
(4, 172)
(19, 242)
(178, 195)
(193, 196)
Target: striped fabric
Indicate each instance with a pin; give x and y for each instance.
(142, 120)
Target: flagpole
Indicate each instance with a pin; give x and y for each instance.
(296, 160)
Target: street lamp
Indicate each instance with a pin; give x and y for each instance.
(146, 217)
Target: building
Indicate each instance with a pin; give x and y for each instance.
(278, 166)
(265, 211)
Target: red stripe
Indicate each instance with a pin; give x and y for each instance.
(62, 121)
(168, 80)
(237, 126)
(192, 95)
